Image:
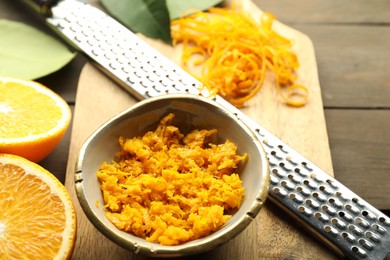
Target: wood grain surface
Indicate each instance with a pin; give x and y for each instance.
(272, 234)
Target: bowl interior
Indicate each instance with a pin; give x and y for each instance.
(191, 112)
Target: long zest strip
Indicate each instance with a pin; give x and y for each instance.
(235, 52)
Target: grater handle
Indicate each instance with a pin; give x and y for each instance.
(323, 205)
(42, 7)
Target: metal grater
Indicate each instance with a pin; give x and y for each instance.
(335, 214)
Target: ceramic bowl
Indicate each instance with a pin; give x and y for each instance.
(191, 112)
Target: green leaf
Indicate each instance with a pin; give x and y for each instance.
(28, 53)
(149, 17)
(178, 7)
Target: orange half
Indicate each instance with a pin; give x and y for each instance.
(37, 216)
(33, 118)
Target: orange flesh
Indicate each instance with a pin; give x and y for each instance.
(32, 218)
(18, 120)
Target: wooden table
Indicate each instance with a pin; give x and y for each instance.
(351, 40)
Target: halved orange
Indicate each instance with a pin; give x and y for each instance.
(33, 118)
(37, 216)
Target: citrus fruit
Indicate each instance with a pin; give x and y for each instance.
(37, 217)
(33, 118)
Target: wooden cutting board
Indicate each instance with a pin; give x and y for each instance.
(272, 235)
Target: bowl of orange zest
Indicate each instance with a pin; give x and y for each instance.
(171, 176)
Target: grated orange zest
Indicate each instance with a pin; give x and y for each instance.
(172, 188)
(235, 53)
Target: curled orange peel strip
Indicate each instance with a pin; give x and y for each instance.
(235, 53)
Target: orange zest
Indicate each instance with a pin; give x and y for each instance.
(37, 216)
(169, 187)
(235, 53)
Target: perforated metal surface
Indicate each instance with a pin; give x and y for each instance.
(325, 206)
